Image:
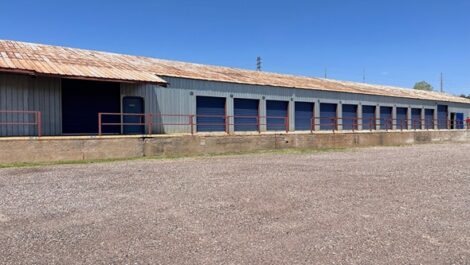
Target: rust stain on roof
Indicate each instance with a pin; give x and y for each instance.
(79, 63)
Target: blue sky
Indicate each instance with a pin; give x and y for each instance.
(397, 42)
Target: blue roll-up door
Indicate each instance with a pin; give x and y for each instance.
(442, 118)
(402, 118)
(368, 118)
(245, 113)
(386, 118)
(459, 119)
(276, 115)
(328, 116)
(210, 114)
(349, 117)
(303, 116)
(429, 118)
(416, 118)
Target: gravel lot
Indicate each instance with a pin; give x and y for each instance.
(386, 205)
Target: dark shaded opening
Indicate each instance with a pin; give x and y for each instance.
(82, 101)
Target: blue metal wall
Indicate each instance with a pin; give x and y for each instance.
(416, 118)
(245, 113)
(210, 114)
(328, 115)
(303, 116)
(349, 117)
(368, 118)
(402, 118)
(276, 112)
(386, 118)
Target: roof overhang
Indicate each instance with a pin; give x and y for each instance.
(159, 81)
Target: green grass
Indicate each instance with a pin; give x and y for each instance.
(289, 151)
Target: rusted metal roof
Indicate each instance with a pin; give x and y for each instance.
(70, 62)
(67, 62)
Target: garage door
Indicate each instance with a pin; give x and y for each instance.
(246, 114)
(442, 116)
(368, 118)
(303, 116)
(349, 117)
(276, 112)
(83, 100)
(416, 119)
(429, 118)
(328, 116)
(402, 118)
(386, 118)
(210, 114)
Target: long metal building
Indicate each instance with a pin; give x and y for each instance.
(51, 90)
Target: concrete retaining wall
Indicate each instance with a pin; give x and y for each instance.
(89, 148)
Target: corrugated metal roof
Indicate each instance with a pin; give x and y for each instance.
(68, 62)
(55, 60)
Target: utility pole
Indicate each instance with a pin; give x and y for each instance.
(442, 83)
(363, 75)
(258, 63)
(326, 73)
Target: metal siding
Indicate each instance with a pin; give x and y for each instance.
(246, 113)
(210, 114)
(276, 115)
(349, 117)
(303, 115)
(328, 114)
(177, 98)
(402, 118)
(224, 89)
(26, 93)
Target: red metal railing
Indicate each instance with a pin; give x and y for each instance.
(228, 123)
(21, 118)
(332, 124)
(150, 121)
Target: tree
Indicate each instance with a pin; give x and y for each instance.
(463, 96)
(423, 85)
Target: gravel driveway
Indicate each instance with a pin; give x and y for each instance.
(386, 205)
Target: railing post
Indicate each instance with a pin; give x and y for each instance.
(286, 123)
(99, 124)
(191, 122)
(312, 125)
(258, 123)
(149, 123)
(39, 123)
